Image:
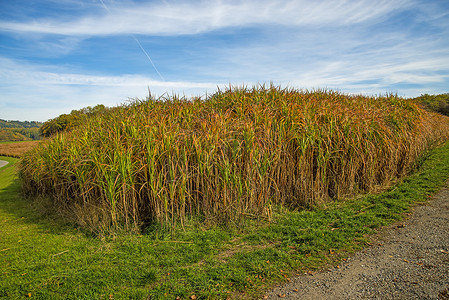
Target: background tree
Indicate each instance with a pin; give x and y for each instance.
(438, 103)
(69, 121)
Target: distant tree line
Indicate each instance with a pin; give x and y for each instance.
(19, 124)
(26, 130)
(19, 134)
(69, 121)
(19, 130)
(438, 103)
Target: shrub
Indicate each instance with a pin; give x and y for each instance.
(437, 103)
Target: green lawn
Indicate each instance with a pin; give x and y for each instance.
(43, 258)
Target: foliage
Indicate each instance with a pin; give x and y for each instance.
(70, 121)
(19, 131)
(19, 124)
(234, 155)
(19, 134)
(45, 259)
(438, 103)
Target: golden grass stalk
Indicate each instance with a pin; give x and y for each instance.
(234, 154)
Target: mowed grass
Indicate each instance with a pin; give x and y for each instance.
(16, 149)
(44, 258)
(238, 154)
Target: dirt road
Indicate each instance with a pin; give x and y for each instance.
(409, 260)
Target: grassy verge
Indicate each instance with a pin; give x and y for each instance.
(43, 258)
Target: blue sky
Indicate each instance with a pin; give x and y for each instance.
(59, 55)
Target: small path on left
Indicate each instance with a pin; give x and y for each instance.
(3, 163)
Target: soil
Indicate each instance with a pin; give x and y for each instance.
(409, 260)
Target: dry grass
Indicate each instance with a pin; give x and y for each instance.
(16, 149)
(236, 154)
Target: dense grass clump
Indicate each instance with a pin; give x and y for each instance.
(237, 153)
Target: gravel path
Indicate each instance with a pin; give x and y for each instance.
(3, 163)
(409, 260)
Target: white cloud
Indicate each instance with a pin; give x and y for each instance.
(31, 92)
(342, 45)
(339, 59)
(193, 17)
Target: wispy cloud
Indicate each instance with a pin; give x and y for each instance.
(181, 17)
(56, 90)
(341, 59)
(68, 54)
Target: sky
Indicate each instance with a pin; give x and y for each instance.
(60, 55)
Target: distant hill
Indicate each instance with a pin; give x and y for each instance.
(19, 131)
(19, 124)
(19, 134)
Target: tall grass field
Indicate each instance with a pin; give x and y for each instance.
(16, 148)
(237, 154)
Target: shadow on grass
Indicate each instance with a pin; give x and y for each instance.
(32, 211)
